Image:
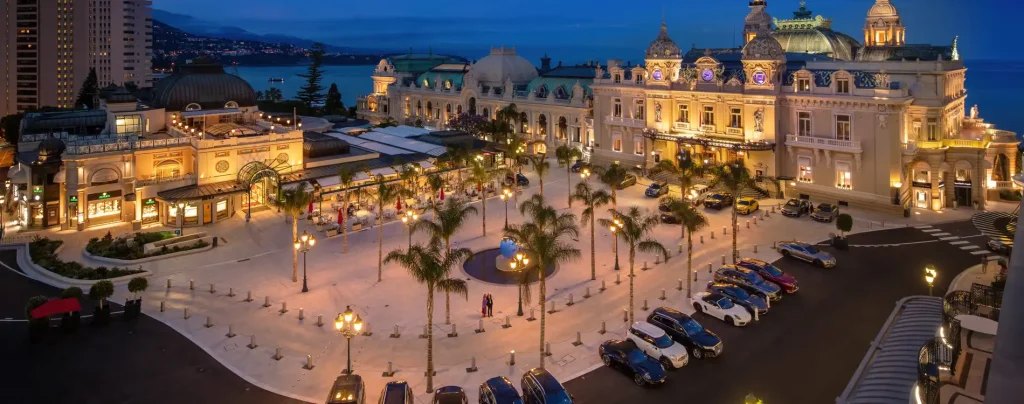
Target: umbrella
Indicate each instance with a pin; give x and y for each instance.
(399, 205)
(310, 209)
(341, 216)
(442, 194)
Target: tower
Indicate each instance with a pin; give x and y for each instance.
(663, 59)
(764, 63)
(758, 20)
(883, 25)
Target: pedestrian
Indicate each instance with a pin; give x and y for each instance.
(483, 306)
(490, 305)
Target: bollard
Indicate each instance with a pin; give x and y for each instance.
(625, 316)
(748, 223)
(702, 239)
(755, 248)
(395, 334)
(390, 372)
(209, 322)
(231, 292)
(603, 329)
(709, 267)
(587, 295)
(570, 301)
(252, 342)
(547, 349)
(511, 358)
(680, 285)
(617, 279)
(366, 329)
(723, 259)
(424, 335)
(191, 284)
(773, 209)
(302, 314)
(662, 295)
(186, 313)
(680, 251)
(168, 283)
(319, 320)
(774, 245)
(277, 354)
(724, 230)
(579, 340)
(755, 220)
(472, 365)
(531, 318)
(161, 306)
(712, 235)
(231, 331)
(645, 308)
(480, 327)
(602, 286)
(248, 296)
(213, 289)
(309, 362)
(284, 307)
(553, 305)
(454, 332)
(266, 301)
(508, 322)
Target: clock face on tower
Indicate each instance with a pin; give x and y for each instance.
(707, 75)
(760, 77)
(657, 74)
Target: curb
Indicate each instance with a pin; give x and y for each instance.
(37, 272)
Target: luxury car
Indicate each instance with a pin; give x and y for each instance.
(721, 307)
(746, 205)
(627, 182)
(450, 395)
(520, 178)
(748, 279)
(697, 193)
(807, 253)
(397, 392)
(656, 189)
(771, 273)
(826, 212)
(684, 330)
(653, 341)
(628, 357)
(669, 218)
(347, 389)
(718, 200)
(540, 387)
(996, 246)
(578, 165)
(796, 207)
(742, 296)
(499, 390)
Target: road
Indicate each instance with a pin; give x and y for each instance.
(809, 344)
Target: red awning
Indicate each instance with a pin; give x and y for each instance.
(57, 306)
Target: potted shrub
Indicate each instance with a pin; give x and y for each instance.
(132, 308)
(100, 291)
(69, 322)
(36, 327)
(844, 223)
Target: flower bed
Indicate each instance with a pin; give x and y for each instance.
(132, 248)
(43, 253)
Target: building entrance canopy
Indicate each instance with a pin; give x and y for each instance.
(711, 142)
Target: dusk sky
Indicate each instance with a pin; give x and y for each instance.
(578, 30)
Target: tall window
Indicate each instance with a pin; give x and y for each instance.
(933, 129)
(617, 108)
(843, 127)
(684, 113)
(618, 78)
(803, 165)
(638, 147)
(709, 115)
(844, 175)
(803, 85)
(639, 78)
(617, 144)
(843, 86)
(916, 129)
(639, 110)
(735, 118)
(804, 124)
(128, 124)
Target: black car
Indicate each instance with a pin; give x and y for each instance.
(748, 279)
(742, 296)
(347, 389)
(669, 218)
(718, 200)
(701, 342)
(626, 356)
(450, 395)
(999, 247)
(578, 165)
(499, 390)
(664, 204)
(796, 207)
(520, 178)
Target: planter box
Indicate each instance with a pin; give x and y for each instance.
(132, 309)
(357, 227)
(37, 329)
(840, 243)
(69, 322)
(332, 233)
(101, 316)
(157, 245)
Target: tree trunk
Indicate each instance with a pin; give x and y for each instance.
(344, 226)
(447, 296)
(540, 179)
(632, 256)
(483, 205)
(543, 311)
(615, 202)
(689, 266)
(735, 251)
(380, 242)
(568, 182)
(593, 262)
(682, 230)
(430, 338)
(295, 253)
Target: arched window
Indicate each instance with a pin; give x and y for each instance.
(563, 127)
(524, 122)
(447, 84)
(472, 106)
(542, 92)
(231, 104)
(560, 93)
(104, 176)
(193, 107)
(542, 125)
(1001, 168)
(430, 109)
(419, 107)
(487, 113)
(168, 168)
(458, 109)
(426, 83)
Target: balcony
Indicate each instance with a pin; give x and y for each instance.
(707, 128)
(966, 143)
(682, 125)
(154, 179)
(813, 142)
(620, 121)
(734, 132)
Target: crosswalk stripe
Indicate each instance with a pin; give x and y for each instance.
(970, 247)
(940, 234)
(958, 242)
(931, 230)
(949, 238)
(923, 227)
(985, 222)
(979, 252)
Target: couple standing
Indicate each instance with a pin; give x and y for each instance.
(487, 305)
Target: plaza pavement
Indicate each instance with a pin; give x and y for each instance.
(256, 257)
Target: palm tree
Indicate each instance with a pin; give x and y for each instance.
(432, 267)
(448, 218)
(691, 221)
(636, 230)
(541, 238)
(612, 176)
(457, 158)
(293, 202)
(686, 172)
(541, 166)
(566, 156)
(435, 181)
(346, 176)
(273, 94)
(386, 193)
(592, 200)
(735, 178)
(482, 176)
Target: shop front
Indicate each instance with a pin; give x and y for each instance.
(150, 211)
(103, 208)
(198, 212)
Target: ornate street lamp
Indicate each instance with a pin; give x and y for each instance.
(349, 324)
(521, 261)
(303, 244)
(929, 276)
(615, 227)
(181, 218)
(506, 194)
(410, 219)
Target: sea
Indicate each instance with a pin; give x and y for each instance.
(997, 87)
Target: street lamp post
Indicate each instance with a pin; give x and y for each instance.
(506, 194)
(409, 219)
(585, 174)
(520, 261)
(615, 227)
(181, 218)
(303, 244)
(929, 276)
(349, 325)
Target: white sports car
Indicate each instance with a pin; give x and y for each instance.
(721, 307)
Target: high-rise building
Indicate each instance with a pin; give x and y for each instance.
(48, 47)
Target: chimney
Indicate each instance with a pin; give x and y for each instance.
(545, 63)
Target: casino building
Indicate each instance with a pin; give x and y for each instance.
(870, 121)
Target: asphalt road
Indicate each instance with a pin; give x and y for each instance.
(809, 344)
(143, 361)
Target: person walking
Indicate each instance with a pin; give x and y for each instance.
(490, 305)
(483, 306)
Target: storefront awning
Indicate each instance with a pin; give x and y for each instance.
(208, 191)
(711, 142)
(294, 185)
(385, 171)
(331, 181)
(426, 165)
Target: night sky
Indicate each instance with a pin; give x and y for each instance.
(579, 30)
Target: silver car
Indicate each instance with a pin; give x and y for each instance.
(807, 252)
(826, 212)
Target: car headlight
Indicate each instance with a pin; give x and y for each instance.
(647, 376)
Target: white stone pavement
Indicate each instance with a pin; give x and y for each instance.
(256, 257)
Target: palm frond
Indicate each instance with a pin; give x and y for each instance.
(651, 246)
(454, 286)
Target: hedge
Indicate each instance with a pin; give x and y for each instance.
(43, 253)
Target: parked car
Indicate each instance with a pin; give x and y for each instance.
(746, 205)
(499, 390)
(450, 395)
(807, 252)
(519, 177)
(540, 387)
(721, 307)
(663, 204)
(626, 356)
(627, 182)
(397, 392)
(754, 304)
(771, 273)
(578, 165)
(347, 389)
(669, 218)
(748, 279)
(656, 189)
(826, 212)
(653, 341)
(997, 246)
(684, 330)
(796, 207)
(718, 200)
(697, 193)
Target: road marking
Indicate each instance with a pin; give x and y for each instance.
(940, 234)
(949, 238)
(979, 252)
(931, 230)
(970, 247)
(958, 242)
(923, 227)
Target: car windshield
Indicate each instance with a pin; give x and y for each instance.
(792, 203)
(725, 303)
(739, 293)
(655, 186)
(772, 270)
(742, 202)
(810, 249)
(636, 357)
(663, 341)
(692, 327)
(716, 197)
(825, 207)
